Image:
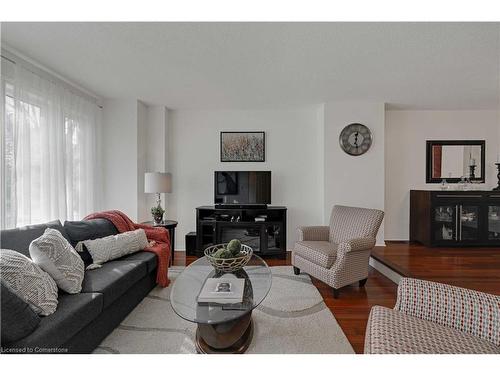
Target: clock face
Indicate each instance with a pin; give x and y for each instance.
(355, 139)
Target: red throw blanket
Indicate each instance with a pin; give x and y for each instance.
(159, 235)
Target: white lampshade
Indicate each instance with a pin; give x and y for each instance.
(157, 182)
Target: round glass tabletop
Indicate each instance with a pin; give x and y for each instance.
(189, 283)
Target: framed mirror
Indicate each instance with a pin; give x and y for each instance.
(451, 160)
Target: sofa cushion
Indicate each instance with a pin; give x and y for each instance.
(147, 257)
(29, 281)
(54, 254)
(74, 312)
(322, 253)
(88, 230)
(17, 318)
(19, 239)
(393, 332)
(114, 278)
(113, 247)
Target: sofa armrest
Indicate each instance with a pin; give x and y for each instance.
(466, 310)
(314, 233)
(356, 244)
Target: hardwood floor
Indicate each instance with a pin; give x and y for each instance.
(474, 268)
(352, 308)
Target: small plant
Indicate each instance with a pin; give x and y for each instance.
(157, 211)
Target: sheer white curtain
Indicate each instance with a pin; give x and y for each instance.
(49, 146)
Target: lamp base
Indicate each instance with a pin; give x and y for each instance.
(157, 211)
(498, 176)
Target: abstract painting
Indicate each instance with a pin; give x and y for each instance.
(242, 146)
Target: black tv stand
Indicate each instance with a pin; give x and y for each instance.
(241, 206)
(261, 227)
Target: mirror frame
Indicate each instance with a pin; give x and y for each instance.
(428, 169)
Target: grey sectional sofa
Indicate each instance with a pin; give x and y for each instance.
(83, 320)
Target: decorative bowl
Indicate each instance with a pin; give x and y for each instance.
(228, 264)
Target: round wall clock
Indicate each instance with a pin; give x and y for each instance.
(355, 139)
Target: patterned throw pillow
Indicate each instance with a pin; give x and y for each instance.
(28, 281)
(54, 254)
(113, 247)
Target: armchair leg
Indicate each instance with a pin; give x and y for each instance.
(296, 270)
(362, 282)
(336, 293)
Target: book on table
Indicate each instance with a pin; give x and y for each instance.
(222, 291)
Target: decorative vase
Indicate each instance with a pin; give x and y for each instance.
(158, 219)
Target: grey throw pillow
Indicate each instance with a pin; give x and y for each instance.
(54, 254)
(17, 318)
(113, 247)
(28, 281)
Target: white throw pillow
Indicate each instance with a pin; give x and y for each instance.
(55, 255)
(29, 281)
(113, 247)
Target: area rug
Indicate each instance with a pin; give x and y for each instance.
(292, 319)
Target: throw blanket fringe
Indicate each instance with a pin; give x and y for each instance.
(159, 239)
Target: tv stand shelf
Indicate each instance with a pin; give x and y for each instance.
(267, 236)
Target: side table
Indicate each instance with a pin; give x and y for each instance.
(170, 226)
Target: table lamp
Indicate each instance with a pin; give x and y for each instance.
(157, 182)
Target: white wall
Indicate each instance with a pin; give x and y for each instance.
(119, 155)
(157, 151)
(294, 150)
(406, 135)
(354, 180)
(134, 141)
(143, 212)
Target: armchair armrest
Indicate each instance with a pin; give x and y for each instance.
(356, 244)
(466, 310)
(314, 233)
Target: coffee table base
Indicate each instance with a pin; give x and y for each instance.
(226, 338)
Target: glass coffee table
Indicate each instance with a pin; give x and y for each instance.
(221, 328)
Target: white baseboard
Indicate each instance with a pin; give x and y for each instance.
(386, 271)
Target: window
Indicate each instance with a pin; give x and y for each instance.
(48, 138)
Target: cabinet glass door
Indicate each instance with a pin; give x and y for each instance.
(469, 223)
(273, 238)
(445, 223)
(494, 222)
(248, 235)
(207, 235)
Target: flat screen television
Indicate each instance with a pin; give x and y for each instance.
(242, 187)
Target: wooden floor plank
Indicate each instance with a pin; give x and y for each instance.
(475, 268)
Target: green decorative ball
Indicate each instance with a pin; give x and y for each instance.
(225, 254)
(234, 246)
(218, 253)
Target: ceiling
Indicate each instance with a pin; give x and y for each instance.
(261, 65)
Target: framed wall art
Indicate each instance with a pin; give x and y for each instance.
(242, 146)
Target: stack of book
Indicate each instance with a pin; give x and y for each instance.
(260, 218)
(222, 291)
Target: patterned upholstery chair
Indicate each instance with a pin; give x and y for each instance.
(434, 318)
(338, 254)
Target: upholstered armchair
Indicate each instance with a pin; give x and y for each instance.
(435, 318)
(338, 254)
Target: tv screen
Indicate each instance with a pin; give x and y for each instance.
(245, 187)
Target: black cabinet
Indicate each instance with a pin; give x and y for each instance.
(263, 229)
(455, 218)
